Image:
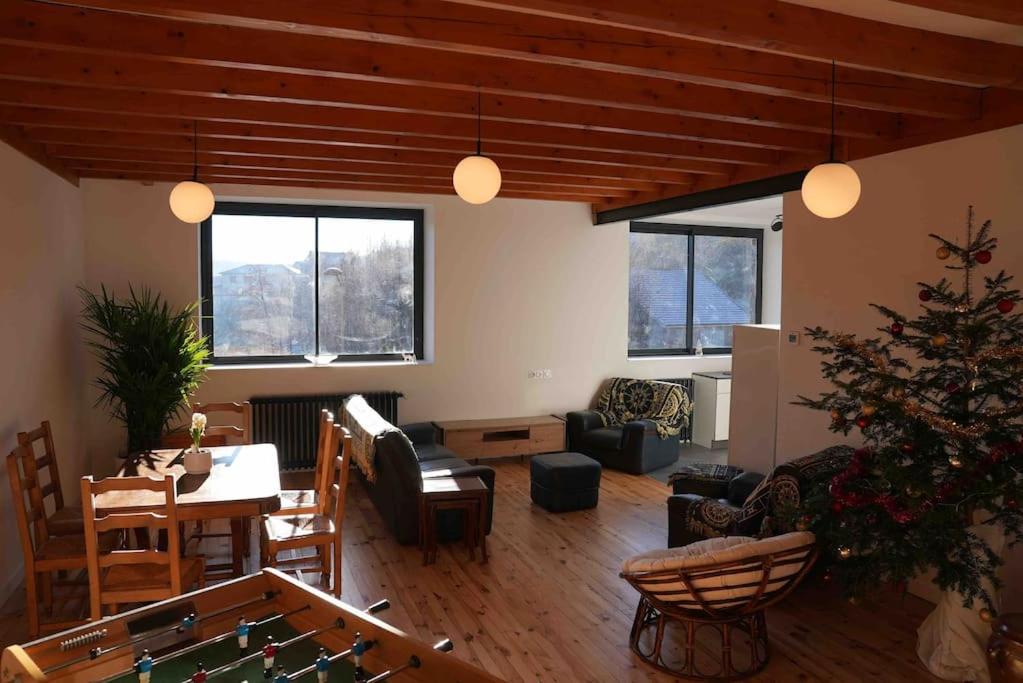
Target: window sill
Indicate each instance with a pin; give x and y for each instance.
(302, 366)
(693, 356)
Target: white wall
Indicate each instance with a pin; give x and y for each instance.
(879, 251)
(41, 377)
(518, 285)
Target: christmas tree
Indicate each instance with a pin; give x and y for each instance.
(937, 399)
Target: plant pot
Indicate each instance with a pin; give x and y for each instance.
(198, 462)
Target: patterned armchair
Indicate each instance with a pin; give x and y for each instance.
(635, 426)
(731, 502)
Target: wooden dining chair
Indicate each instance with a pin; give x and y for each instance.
(321, 530)
(216, 434)
(43, 553)
(306, 501)
(39, 455)
(121, 576)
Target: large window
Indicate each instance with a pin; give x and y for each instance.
(688, 285)
(281, 282)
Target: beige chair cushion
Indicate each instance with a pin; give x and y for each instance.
(699, 561)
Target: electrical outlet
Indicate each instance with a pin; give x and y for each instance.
(547, 374)
(793, 338)
(542, 373)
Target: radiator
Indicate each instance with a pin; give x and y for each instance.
(687, 386)
(291, 422)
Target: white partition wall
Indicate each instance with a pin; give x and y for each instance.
(754, 406)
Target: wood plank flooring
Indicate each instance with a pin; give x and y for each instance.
(550, 606)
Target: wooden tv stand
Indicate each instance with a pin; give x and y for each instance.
(478, 439)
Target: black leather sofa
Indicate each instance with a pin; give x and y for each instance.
(633, 447)
(400, 469)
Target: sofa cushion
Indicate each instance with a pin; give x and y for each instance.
(605, 438)
(428, 452)
(741, 486)
(442, 464)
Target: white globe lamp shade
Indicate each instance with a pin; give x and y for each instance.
(192, 202)
(477, 179)
(831, 190)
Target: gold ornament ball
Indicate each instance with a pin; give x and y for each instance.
(954, 461)
(986, 615)
(898, 392)
(943, 253)
(853, 600)
(835, 415)
(844, 552)
(868, 409)
(939, 340)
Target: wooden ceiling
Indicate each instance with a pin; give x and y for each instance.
(603, 101)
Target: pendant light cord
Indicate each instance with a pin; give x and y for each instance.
(479, 124)
(195, 151)
(831, 153)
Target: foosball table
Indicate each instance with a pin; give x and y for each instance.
(263, 627)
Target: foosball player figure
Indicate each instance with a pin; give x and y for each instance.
(322, 666)
(187, 623)
(200, 674)
(282, 675)
(358, 650)
(269, 652)
(242, 631)
(144, 666)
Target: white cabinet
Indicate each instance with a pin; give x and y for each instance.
(712, 396)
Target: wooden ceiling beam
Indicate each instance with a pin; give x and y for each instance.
(283, 65)
(127, 160)
(1002, 11)
(397, 188)
(784, 28)
(15, 137)
(56, 140)
(655, 152)
(753, 144)
(85, 168)
(488, 32)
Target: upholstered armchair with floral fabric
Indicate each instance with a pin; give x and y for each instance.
(730, 502)
(635, 426)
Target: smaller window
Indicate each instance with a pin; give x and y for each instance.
(689, 285)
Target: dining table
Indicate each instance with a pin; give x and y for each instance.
(244, 482)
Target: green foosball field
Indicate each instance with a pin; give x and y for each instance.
(218, 658)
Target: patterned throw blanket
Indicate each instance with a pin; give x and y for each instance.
(624, 400)
(366, 427)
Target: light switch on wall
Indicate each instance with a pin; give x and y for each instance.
(792, 338)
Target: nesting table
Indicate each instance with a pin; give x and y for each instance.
(468, 494)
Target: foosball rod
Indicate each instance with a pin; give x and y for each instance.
(209, 641)
(100, 651)
(413, 662)
(230, 666)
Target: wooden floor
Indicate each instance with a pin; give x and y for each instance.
(550, 606)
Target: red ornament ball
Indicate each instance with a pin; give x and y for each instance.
(827, 576)
(837, 507)
(1006, 305)
(951, 387)
(983, 256)
(924, 295)
(863, 422)
(897, 328)
(1012, 504)
(906, 448)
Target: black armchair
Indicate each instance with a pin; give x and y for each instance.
(633, 447)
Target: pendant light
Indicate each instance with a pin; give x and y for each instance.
(831, 189)
(477, 178)
(190, 200)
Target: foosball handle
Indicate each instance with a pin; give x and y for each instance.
(444, 646)
(378, 607)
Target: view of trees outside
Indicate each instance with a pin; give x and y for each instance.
(730, 263)
(724, 284)
(264, 287)
(658, 282)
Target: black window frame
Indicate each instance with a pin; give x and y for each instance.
(315, 211)
(692, 231)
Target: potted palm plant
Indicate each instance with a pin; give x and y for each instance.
(152, 359)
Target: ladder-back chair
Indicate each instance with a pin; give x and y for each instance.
(322, 530)
(39, 455)
(43, 553)
(216, 435)
(121, 576)
(306, 501)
